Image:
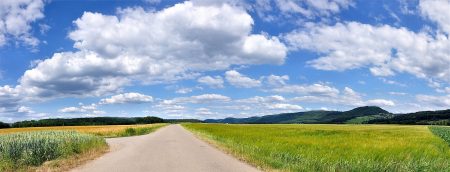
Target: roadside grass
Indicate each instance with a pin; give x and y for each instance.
(21, 151)
(317, 147)
(59, 148)
(98, 130)
(133, 131)
(70, 162)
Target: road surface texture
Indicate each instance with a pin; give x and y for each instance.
(171, 148)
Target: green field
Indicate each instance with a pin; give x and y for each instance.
(317, 147)
(442, 132)
(20, 151)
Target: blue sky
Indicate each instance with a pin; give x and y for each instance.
(215, 59)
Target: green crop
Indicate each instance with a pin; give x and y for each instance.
(317, 147)
(19, 150)
(442, 132)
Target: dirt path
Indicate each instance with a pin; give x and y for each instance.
(171, 148)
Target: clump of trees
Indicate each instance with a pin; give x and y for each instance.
(4, 125)
(88, 121)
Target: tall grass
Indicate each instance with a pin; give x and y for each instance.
(21, 150)
(139, 130)
(331, 147)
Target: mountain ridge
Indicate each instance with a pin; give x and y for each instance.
(359, 115)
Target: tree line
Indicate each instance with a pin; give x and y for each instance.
(4, 125)
(84, 122)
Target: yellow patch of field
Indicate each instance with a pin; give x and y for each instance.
(99, 130)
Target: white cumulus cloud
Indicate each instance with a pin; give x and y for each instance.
(384, 49)
(198, 99)
(380, 102)
(204, 112)
(433, 101)
(277, 10)
(259, 99)
(313, 89)
(275, 80)
(127, 98)
(151, 47)
(16, 17)
(238, 80)
(284, 106)
(71, 110)
(347, 97)
(437, 11)
(213, 82)
(89, 110)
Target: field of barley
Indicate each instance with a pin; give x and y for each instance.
(332, 147)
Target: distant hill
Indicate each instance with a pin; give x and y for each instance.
(363, 114)
(360, 115)
(440, 117)
(357, 115)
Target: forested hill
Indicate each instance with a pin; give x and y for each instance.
(441, 117)
(311, 116)
(360, 115)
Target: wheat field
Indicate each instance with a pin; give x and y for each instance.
(99, 130)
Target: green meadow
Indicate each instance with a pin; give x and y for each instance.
(317, 147)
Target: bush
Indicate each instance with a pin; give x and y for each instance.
(34, 148)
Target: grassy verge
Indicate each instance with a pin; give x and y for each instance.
(21, 151)
(134, 131)
(331, 147)
(442, 132)
(67, 163)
